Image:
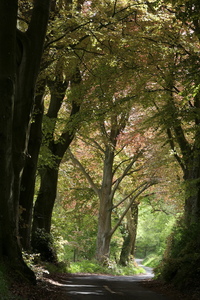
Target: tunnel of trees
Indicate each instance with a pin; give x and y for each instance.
(99, 133)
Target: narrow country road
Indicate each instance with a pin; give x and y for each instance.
(103, 287)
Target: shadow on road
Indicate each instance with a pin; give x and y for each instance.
(106, 287)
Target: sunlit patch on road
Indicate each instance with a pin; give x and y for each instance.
(86, 293)
(106, 287)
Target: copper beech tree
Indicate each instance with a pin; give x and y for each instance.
(107, 172)
(173, 90)
(72, 47)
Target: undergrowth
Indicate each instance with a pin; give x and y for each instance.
(93, 267)
(181, 263)
(83, 266)
(4, 290)
(152, 261)
(5, 293)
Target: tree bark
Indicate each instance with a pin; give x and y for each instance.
(7, 93)
(10, 254)
(49, 175)
(192, 201)
(128, 246)
(105, 209)
(41, 243)
(20, 56)
(189, 162)
(30, 168)
(30, 49)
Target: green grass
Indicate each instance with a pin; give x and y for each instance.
(93, 267)
(152, 261)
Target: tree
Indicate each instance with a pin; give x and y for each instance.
(30, 168)
(178, 115)
(129, 233)
(57, 86)
(20, 57)
(81, 36)
(56, 147)
(178, 108)
(114, 171)
(116, 81)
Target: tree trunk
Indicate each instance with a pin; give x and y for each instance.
(128, 246)
(10, 254)
(7, 93)
(105, 209)
(49, 175)
(104, 230)
(30, 168)
(43, 213)
(30, 49)
(132, 225)
(192, 184)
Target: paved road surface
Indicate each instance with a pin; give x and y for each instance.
(103, 287)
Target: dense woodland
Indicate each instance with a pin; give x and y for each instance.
(99, 134)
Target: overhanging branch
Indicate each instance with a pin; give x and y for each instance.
(84, 172)
(145, 187)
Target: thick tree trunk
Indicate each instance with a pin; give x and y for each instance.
(41, 239)
(105, 209)
(30, 49)
(192, 186)
(8, 243)
(104, 230)
(49, 176)
(7, 217)
(10, 253)
(45, 201)
(29, 173)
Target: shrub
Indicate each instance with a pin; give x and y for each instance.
(43, 244)
(181, 262)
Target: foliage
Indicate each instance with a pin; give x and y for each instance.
(46, 158)
(44, 244)
(153, 230)
(181, 262)
(41, 267)
(74, 228)
(126, 54)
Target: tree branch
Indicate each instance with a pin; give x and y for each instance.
(146, 186)
(67, 32)
(125, 172)
(129, 195)
(177, 157)
(96, 144)
(84, 172)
